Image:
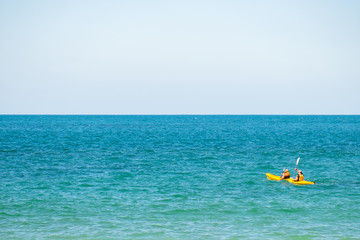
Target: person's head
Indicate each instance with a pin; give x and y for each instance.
(300, 171)
(286, 170)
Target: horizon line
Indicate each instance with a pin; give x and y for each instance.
(179, 114)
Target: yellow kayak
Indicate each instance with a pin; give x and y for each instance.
(277, 178)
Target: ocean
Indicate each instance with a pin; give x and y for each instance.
(178, 177)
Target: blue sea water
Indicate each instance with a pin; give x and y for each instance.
(178, 177)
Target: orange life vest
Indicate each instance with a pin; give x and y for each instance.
(301, 177)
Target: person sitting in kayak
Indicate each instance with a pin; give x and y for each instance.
(300, 176)
(285, 174)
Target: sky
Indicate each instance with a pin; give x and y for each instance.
(179, 57)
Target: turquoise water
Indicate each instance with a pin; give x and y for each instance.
(178, 177)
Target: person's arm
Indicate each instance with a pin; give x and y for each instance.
(297, 176)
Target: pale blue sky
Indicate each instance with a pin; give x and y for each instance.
(180, 57)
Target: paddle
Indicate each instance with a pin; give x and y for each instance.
(297, 162)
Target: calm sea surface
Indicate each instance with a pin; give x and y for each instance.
(178, 177)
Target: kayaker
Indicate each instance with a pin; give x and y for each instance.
(300, 176)
(285, 174)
